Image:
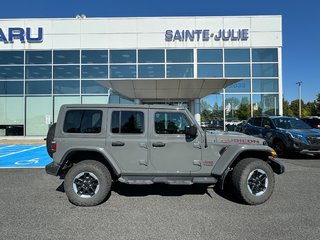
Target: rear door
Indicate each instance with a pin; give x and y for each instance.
(170, 150)
(126, 140)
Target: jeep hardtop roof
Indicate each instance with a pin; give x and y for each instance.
(133, 106)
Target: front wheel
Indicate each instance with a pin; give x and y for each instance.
(88, 183)
(280, 148)
(253, 181)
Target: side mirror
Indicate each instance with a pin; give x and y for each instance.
(191, 131)
(267, 126)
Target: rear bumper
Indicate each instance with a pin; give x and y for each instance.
(53, 169)
(276, 166)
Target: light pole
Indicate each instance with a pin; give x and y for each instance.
(299, 84)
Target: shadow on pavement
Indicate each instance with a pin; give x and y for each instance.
(303, 156)
(158, 189)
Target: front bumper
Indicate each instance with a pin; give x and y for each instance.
(304, 148)
(53, 168)
(276, 166)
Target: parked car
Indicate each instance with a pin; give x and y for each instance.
(285, 134)
(312, 121)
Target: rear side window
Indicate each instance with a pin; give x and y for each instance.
(83, 121)
(127, 122)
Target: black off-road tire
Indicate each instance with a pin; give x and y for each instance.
(50, 137)
(253, 181)
(100, 180)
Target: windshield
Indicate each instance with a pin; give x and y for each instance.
(290, 123)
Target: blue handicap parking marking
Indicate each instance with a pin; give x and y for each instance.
(23, 156)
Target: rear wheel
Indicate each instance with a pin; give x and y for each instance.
(88, 183)
(253, 181)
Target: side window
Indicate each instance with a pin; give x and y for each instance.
(127, 122)
(83, 121)
(266, 121)
(257, 122)
(170, 123)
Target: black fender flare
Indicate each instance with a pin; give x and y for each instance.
(232, 153)
(106, 158)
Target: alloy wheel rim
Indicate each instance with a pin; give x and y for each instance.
(86, 184)
(257, 182)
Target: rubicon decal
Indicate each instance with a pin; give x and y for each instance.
(206, 35)
(23, 35)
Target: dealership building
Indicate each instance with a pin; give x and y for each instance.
(231, 62)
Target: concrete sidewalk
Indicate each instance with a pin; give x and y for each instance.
(22, 140)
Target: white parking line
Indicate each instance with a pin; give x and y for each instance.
(25, 150)
(7, 146)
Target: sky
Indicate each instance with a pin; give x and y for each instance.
(300, 26)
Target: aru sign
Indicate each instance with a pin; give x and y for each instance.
(21, 34)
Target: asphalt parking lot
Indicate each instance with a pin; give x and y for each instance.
(34, 206)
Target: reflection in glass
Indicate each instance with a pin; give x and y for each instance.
(122, 56)
(60, 100)
(210, 55)
(179, 70)
(151, 71)
(66, 87)
(11, 72)
(123, 71)
(12, 110)
(179, 55)
(237, 108)
(38, 57)
(94, 56)
(265, 104)
(265, 70)
(210, 70)
(93, 87)
(265, 85)
(11, 87)
(37, 110)
(11, 57)
(265, 55)
(95, 99)
(241, 86)
(38, 72)
(66, 56)
(212, 111)
(94, 71)
(237, 70)
(151, 56)
(237, 55)
(66, 72)
(38, 87)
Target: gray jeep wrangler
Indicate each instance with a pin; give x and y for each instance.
(95, 145)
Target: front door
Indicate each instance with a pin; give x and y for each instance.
(170, 150)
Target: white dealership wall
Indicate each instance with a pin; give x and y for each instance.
(123, 33)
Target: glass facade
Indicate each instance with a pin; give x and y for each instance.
(38, 82)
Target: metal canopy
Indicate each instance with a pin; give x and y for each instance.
(167, 88)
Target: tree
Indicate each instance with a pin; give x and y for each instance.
(243, 111)
(204, 105)
(317, 105)
(294, 106)
(286, 108)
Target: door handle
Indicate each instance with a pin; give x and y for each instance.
(117, 144)
(158, 144)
